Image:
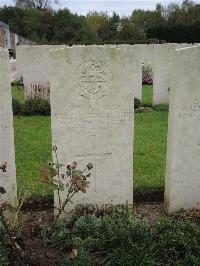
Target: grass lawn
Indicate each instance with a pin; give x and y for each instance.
(147, 94)
(18, 93)
(150, 150)
(33, 148)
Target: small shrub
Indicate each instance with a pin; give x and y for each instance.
(177, 241)
(147, 105)
(125, 239)
(16, 106)
(137, 103)
(18, 83)
(161, 107)
(15, 83)
(36, 106)
(61, 236)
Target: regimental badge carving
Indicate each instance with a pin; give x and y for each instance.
(93, 79)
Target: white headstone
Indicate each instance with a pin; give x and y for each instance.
(92, 118)
(161, 73)
(20, 60)
(148, 53)
(139, 58)
(182, 188)
(138, 61)
(163, 55)
(13, 70)
(7, 153)
(34, 67)
(36, 75)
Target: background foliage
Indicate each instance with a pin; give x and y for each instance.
(36, 20)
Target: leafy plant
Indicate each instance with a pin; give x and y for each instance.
(161, 107)
(120, 239)
(137, 103)
(73, 181)
(36, 106)
(177, 241)
(16, 106)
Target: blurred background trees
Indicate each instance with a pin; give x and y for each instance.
(37, 20)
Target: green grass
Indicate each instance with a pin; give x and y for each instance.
(18, 93)
(33, 149)
(147, 94)
(150, 150)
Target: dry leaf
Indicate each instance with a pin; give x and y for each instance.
(73, 254)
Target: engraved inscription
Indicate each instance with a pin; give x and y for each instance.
(190, 110)
(93, 79)
(94, 117)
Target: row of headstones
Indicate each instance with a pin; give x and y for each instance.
(33, 65)
(92, 121)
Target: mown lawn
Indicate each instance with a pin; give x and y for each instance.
(150, 150)
(33, 149)
(147, 94)
(17, 92)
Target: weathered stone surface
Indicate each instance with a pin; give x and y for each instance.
(182, 188)
(138, 61)
(36, 75)
(148, 53)
(33, 65)
(161, 73)
(163, 55)
(20, 60)
(92, 118)
(13, 70)
(7, 153)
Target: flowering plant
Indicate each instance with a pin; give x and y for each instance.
(74, 180)
(147, 74)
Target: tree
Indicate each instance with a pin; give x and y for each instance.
(143, 19)
(36, 4)
(111, 28)
(97, 20)
(128, 31)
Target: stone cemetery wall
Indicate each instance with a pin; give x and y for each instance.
(182, 188)
(92, 119)
(7, 153)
